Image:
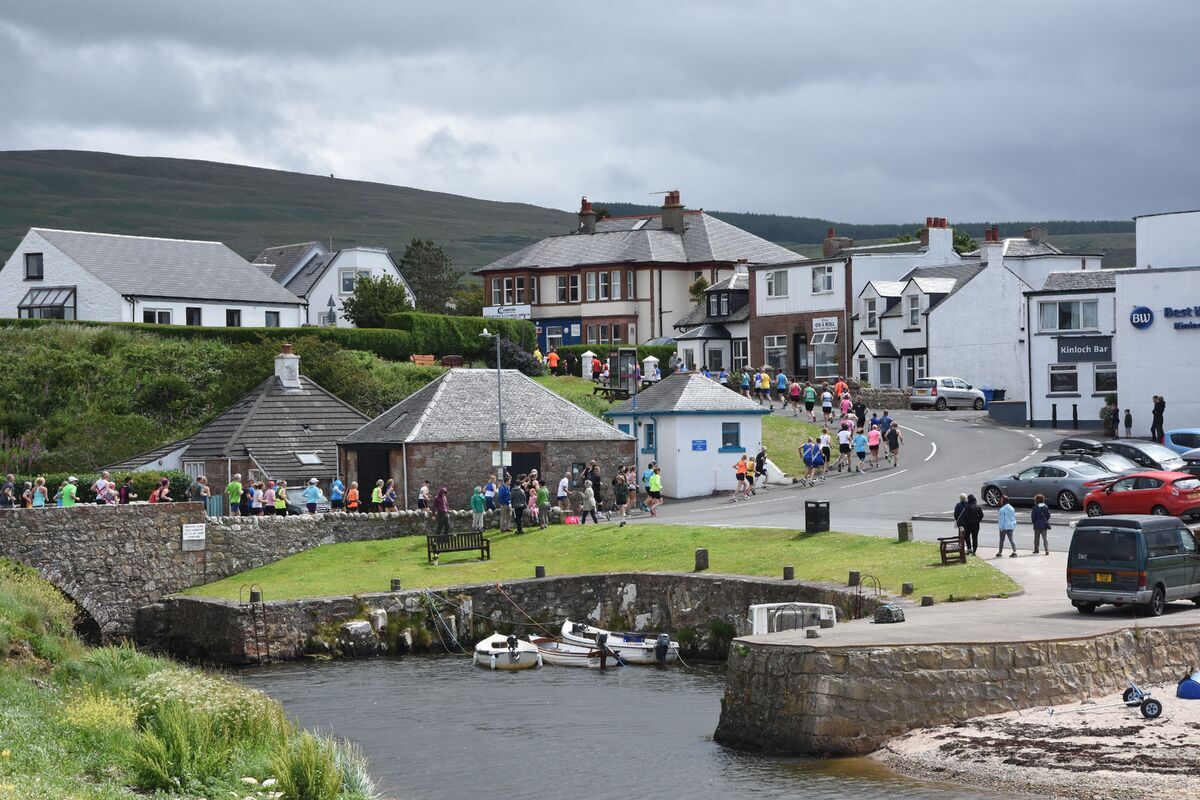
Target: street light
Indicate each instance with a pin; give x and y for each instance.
(499, 400)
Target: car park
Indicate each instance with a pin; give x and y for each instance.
(1132, 560)
(944, 392)
(1181, 440)
(1109, 462)
(1160, 493)
(1063, 483)
(1146, 454)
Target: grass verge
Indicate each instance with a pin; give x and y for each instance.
(783, 437)
(578, 391)
(358, 567)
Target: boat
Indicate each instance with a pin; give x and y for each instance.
(634, 648)
(776, 617)
(562, 653)
(506, 652)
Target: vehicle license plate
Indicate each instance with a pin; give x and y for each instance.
(922, 391)
(1103, 577)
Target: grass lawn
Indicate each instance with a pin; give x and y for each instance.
(578, 391)
(783, 437)
(358, 567)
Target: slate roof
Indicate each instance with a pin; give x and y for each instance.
(737, 282)
(460, 406)
(683, 393)
(149, 457)
(879, 348)
(642, 239)
(182, 268)
(272, 424)
(915, 246)
(889, 288)
(1081, 280)
(284, 257)
(301, 284)
(713, 331)
(1020, 247)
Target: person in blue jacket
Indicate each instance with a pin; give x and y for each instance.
(1008, 524)
(1041, 523)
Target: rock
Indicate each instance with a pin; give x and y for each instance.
(378, 619)
(358, 640)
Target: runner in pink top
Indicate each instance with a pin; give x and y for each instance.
(873, 439)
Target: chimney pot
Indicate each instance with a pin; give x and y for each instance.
(587, 216)
(929, 222)
(941, 222)
(287, 348)
(585, 205)
(829, 234)
(672, 212)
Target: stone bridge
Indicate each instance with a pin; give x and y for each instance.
(111, 560)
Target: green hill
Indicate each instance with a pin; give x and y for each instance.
(250, 208)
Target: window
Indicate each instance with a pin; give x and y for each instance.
(553, 336)
(914, 311)
(630, 284)
(497, 292)
(192, 315)
(48, 303)
(577, 478)
(616, 333)
(561, 282)
(508, 291)
(271, 319)
(825, 357)
(34, 267)
(822, 279)
(350, 277)
(1064, 378)
(520, 291)
(603, 334)
(603, 285)
(233, 318)
(864, 371)
(194, 468)
(697, 275)
(870, 313)
(1105, 379)
(715, 359)
(591, 286)
(631, 332)
(885, 373)
(574, 282)
(591, 334)
(616, 285)
(649, 440)
(533, 289)
(775, 352)
(713, 305)
(777, 283)
(724, 304)
(156, 316)
(731, 436)
(1068, 315)
(308, 459)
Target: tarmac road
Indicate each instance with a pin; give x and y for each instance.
(946, 453)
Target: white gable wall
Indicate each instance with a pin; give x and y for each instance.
(95, 300)
(698, 473)
(1168, 240)
(377, 262)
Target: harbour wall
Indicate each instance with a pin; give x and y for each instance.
(836, 701)
(703, 611)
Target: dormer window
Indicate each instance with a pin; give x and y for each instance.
(724, 304)
(712, 305)
(870, 312)
(914, 311)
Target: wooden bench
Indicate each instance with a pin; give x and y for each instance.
(424, 361)
(452, 361)
(952, 549)
(457, 543)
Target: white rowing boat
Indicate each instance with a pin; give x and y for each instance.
(634, 648)
(562, 653)
(506, 652)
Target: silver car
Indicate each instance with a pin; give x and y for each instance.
(1063, 483)
(944, 392)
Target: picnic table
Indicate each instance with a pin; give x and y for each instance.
(612, 392)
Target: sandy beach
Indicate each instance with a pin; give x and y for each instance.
(1107, 753)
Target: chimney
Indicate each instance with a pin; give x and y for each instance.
(742, 266)
(834, 244)
(587, 217)
(938, 238)
(995, 233)
(1036, 235)
(924, 235)
(287, 368)
(992, 251)
(672, 212)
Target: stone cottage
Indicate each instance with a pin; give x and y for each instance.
(447, 431)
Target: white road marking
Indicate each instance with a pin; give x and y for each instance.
(1026, 458)
(932, 452)
(914, 430)
(880, 478)
(739, 504)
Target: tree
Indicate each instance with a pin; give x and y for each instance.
(696, 289)
(373, 299)
(468, 300)
(430, 273)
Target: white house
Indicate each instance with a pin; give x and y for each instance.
(324, 279)
(715, 333)
(694, 429)
(934, 247)
(1071, 321)
(108, 277)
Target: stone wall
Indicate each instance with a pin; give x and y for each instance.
(225, 631)
(834, 701)
(113, 559)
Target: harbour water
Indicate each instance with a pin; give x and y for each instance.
(440, 728)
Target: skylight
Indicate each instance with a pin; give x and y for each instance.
(308, 459)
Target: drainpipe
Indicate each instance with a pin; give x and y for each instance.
(404, 471)
(661, 331)
(1029, 359)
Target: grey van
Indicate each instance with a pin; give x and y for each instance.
(1132, 560)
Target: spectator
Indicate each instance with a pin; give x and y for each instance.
(1040, 516)
(972, 517)
(1128, 423)
(519, 501)
(1156, 419)
(564, 490)
(589, 504)
(233, 490)
(479, 506)
(425, 497)
(489, 493)
(441, 508)
(543, 505)
(504, 503)
(959, 508)
(127, 493)
(1007, 522)
(337, 495)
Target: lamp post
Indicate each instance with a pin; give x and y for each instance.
(484, 334)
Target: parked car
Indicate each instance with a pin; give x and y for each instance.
(1109, 462)
(1148, 561)
(1192, 455)
(942, 393)
(1064, 484)
(1147, 454)
(1181, 440)
(1161, 493)
(1078, 444)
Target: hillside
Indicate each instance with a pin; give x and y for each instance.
(250, 208)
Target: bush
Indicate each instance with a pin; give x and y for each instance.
(513, 356)
(180, 748)
(307, 769)
(34, 614)
(240, 714)
(444, 335)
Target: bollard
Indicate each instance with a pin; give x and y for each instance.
(789, 573)
(701, 559)
(907, 588)
(1075, 416)
(539, 571)
(395, 584)
(904, 531)
(812, 633)
(926, 599)
(855, 577)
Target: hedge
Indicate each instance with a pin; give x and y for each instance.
(143, 483)
(443, 335)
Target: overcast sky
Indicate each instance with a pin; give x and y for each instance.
(862, 112)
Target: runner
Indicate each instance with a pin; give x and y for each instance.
(794, 395)
(810, 401)
(819, 463)
(750, 476)
(894, 440)
(760, 465)
(844, 438)
(739, 470)
(885, 423)
(860, 449)
(873, 439)
(806, 453)
(755, 380)
(824, 442)
(655, 492)
(745, 383)
(781, 386)
(846, 405)
(764, 387)
(840, 388)
(827, 405)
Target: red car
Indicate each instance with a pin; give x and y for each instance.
(1174, 494)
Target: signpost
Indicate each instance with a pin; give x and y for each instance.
(496, 454)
